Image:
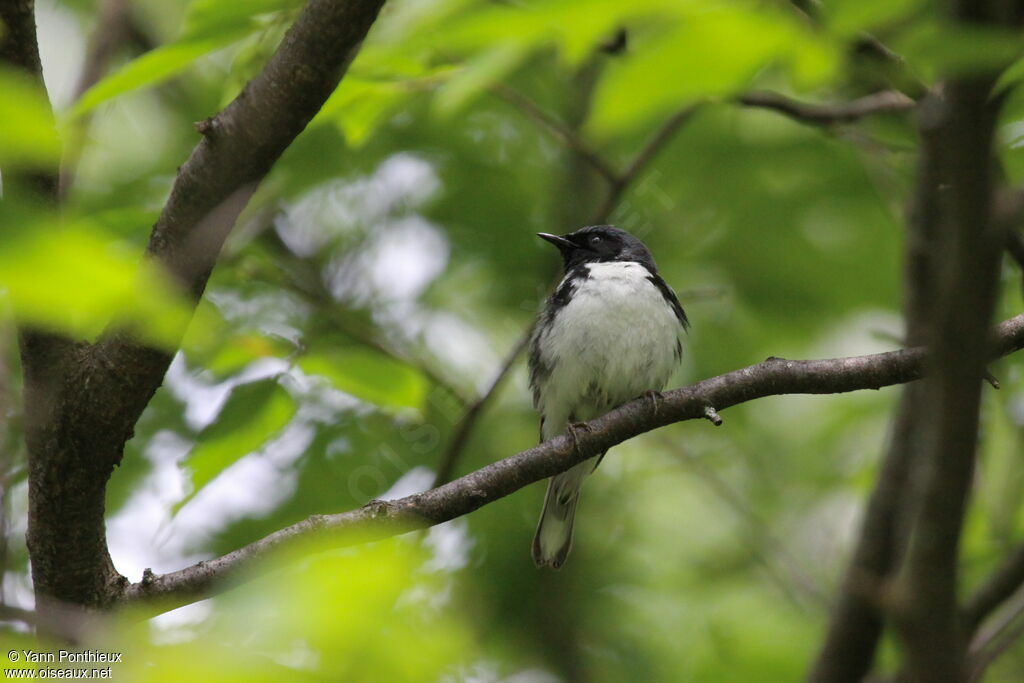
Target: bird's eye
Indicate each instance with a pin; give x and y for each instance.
(595, 239)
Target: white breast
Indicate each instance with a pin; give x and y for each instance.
(614, 340)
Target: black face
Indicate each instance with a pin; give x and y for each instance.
(600, 244)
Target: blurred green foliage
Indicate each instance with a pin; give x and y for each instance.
(389, 262)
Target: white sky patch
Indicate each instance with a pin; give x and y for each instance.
(61, 49)
(449, 544)
(178, 625)
(406, 258)
(340, 208)
(277, 314)
(145, 534)
(134, 534)
(462, 346)
(252, 487)
(18, 590)
(416, 480)
(203, 400)
(385, 251)
(858, 334)
(395, 264)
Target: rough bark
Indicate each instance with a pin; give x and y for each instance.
(966, 250)
(82, 400)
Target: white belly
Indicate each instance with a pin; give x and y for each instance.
(613, 341)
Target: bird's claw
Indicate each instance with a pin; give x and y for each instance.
(573, 428)
(654, 397)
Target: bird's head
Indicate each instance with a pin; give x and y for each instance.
(600, 244)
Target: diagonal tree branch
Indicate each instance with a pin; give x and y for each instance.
(1002, 583)
(829, 114)
(304, 279)
(380, 519)
(621, 182)
(560, 130)
(992, 642)
(465, 426)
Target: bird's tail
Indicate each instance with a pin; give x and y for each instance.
(553, 539)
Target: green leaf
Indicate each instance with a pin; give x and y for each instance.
(937, 49)
(212, 18)
(28, 135)
(369, 376)
(713, 53)
(151, 68)
(73, 279)
(209, 25)
(479, 74)
(359, 106)
(1010, 77)
(253, 414)
(850, 17)
(1011, 134)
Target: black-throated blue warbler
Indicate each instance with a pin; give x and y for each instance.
(609, 334)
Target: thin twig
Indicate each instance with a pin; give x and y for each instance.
(761, 531)
(113, 29)
(469, 419)
(11, 613)
(559, 129)
(620, 183)
(829, 114)
(1002, 583)
(989, 645)
(305, 280)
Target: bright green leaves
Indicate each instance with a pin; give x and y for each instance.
(373, 613)
(360, 105)
(360, 610)
(941, 50)
(215, 18)
(710, 53)
(70, 278)
(850, 17)
(149, 69)
(253, 414)
(678, 51)
(28, 135)
(479, 73)
(369, 376)
(1011, 129)
(209, 25)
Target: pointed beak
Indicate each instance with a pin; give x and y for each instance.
(559, 242)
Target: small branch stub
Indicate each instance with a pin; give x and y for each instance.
(206, 127)
(711, 414)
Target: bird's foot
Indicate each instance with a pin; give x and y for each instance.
(573, 428)
(654, 397)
